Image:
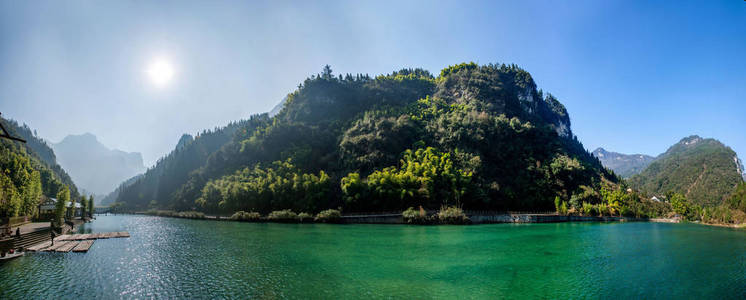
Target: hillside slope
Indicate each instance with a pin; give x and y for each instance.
(156, 187)
(28, 171)
(478, 136)
(624, 165)
(704, 170)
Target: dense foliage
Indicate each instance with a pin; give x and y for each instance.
(262, 189)
(477, 137)
(28, 171)
(424, 177)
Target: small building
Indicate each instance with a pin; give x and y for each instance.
(47, 206)
(655, 199)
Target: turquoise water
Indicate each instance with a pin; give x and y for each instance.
(177, 258)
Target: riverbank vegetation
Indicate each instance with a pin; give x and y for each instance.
(446, 215)
(731, 212)
(611, 201)
(246, 216)
(175, 214)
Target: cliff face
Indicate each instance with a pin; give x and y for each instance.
(739, 167)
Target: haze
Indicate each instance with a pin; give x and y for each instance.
(635, 77)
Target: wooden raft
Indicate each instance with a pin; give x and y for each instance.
(83, 246)
(75, 242)
(92, 236)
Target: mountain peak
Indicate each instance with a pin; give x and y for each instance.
(691, 140)
(87, 137)
(93, 166)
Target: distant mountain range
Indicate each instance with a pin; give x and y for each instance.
(624, 165)
(703, 169)
(94, 167)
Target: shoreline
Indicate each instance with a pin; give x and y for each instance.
(733, 226)
(396, 219)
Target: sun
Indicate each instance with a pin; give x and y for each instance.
(160, 72)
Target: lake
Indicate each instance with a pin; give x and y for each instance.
(178, 258)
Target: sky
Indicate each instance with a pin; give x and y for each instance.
(636, 77)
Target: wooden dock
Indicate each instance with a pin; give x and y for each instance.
(92, 236)
(75, 242)
(40, 246)
(67, 247)
(83, 246)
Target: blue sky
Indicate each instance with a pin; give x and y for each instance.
(635, 76)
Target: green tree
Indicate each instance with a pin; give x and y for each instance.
(63, 196)
(83, 206)
(10, 199)
(91, 207)
(557, 203)
(73, 210)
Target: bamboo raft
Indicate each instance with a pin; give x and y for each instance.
(75, 242)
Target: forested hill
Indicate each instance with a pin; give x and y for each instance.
(112, 197)
(483, 137)
(156, 187)
(624, 165)
(704, 170)
(29, 170)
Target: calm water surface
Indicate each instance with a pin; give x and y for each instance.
(176, 258)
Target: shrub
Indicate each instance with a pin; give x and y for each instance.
(246, 216)
(191, 215)
(452, 215)
(587, 209)
(603, 210)
(415, 216)
(174, 214)
(626, 211)
(328, 216)
(563, 208)
(284, 215)
(305, 217)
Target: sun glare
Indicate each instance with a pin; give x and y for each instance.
(160, 72)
